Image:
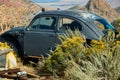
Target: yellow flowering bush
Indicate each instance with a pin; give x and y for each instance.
(10, 61)
(71, 58)
(105, 45)
(96, 47)
(4, 46)
(117, 42)
(74, 42)
(63, 52)
(70, 47)
(98, 44)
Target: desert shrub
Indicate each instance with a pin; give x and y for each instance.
(9, 59)
(3, 46)
(116, 23)
(72, 44)
(96, 66)
(75, 60)
(99, 62)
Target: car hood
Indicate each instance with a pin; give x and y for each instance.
(18, 28)
(15, 29)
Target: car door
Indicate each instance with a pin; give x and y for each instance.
(40, 37)
(65, 23)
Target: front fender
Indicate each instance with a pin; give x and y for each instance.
(14, 39)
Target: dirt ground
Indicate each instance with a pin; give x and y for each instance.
(33, 73)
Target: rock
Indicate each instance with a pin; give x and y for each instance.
(100, 7)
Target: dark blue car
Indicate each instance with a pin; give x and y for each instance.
(42, 33)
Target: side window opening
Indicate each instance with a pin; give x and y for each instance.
(66, 23)
(45, 22)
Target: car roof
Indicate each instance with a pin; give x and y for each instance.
(60, 12)
(73, 13)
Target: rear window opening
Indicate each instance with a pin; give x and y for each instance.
(103, 24)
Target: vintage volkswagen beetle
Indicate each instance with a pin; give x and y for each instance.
(42, 33)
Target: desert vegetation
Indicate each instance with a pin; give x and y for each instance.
(76, 60)
(73, 59)
(116, 23)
